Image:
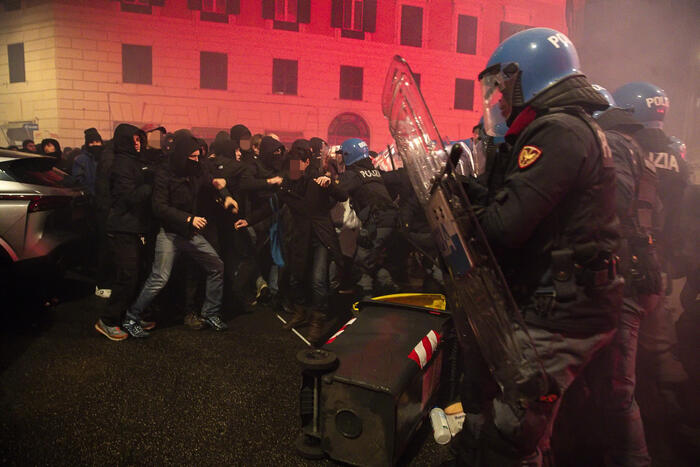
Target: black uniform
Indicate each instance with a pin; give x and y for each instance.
(554, 231)
(376, 210)
(637, 204)
(555, 213)
(673, 175)
(657, 340)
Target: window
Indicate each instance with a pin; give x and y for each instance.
(466, 34)
(411, 25)
(15, 57)
(351, 82)
(136, 6)
(354, 17)
(508, 29)
(348, 125)
(284, 76)
(215, 10)
(137, 64)
(287, 14)
(214, 6)
(286, 10)
(213, 70)
(464, 94)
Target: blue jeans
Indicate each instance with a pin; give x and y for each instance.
(168, 245)
(319, 276)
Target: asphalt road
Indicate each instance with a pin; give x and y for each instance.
(68, 396)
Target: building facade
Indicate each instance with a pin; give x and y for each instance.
(297, 68)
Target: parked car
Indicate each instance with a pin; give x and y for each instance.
(44, 220)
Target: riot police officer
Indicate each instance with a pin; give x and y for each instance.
(376, 210)
(637, 208)
(553, 228)
(650, 105)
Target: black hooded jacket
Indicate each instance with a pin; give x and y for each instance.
(253, 182)
(239, 132)
(183, 188)
(557, 201)
(224, 165)
(55, 153)
(129, 190)
(310, 206)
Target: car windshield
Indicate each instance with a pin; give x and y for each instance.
(36, 171)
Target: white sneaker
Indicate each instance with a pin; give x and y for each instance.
(103, 293)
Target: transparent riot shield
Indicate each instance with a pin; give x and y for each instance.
(476, 289)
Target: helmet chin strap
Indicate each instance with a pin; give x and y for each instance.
(654, 124)
(517, 104)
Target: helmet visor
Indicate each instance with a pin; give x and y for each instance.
(480, 152)
(497, 93)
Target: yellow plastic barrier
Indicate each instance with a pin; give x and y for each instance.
(423, 300)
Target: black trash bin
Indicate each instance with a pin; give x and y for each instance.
(364, 407)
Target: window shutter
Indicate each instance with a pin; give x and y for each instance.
(304, 11)
(268, 9)
(233, 7)
(369, 16)
(337, 14)
(194, 4)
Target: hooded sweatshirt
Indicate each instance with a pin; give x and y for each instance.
(253, 182)
(183, 188)
(55, 153)
(239, 132)
(129, 190)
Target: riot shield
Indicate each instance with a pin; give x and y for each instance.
(477, 292)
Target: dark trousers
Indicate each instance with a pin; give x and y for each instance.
(614, 378)
(126, 251)
(317, 279)
(240, 264)
(105, 263)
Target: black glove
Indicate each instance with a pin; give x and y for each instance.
(476, 192)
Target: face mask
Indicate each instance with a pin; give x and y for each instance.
(192, 167)
(95, 150)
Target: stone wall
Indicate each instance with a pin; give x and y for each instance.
(81, 77)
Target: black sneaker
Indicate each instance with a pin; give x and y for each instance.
(134, 328)
(216, 323)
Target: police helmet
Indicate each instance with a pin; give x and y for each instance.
(521, 68)
(606, 95)
(678, 146)
(648, 101)
(353, 150)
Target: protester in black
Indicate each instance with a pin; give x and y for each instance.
(127, 223)
(179, 203)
